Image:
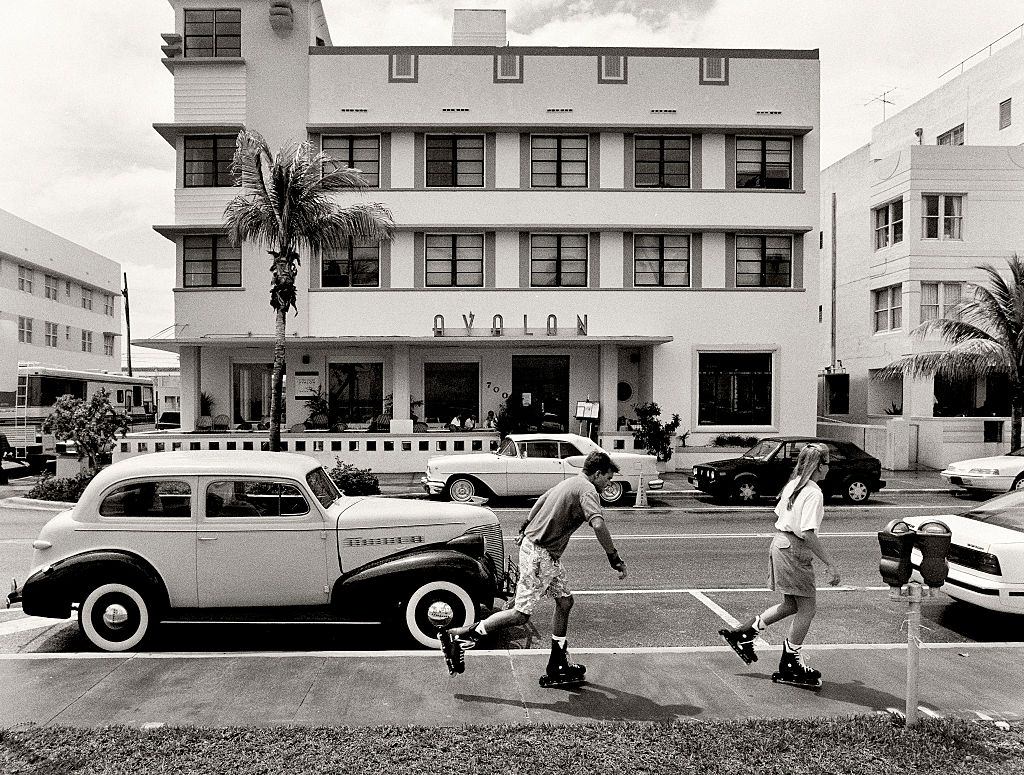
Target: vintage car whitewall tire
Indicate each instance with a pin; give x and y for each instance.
(416, 621)
(613, 493)
(461, 489)
(115, 616)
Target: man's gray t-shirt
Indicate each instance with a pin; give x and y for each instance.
(560, 511)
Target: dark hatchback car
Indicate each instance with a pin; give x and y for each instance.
(766, 467)
(169, 420)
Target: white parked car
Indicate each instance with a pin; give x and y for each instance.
(986, 557)
(528, 464)
(257, 535)
(999, 473)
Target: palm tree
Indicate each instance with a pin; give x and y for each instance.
(288, 204)
(984, 334)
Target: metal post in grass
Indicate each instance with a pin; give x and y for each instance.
(914, 594)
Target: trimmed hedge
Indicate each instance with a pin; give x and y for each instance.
(50, 488)
(352, 480)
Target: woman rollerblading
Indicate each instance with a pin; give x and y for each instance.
(796, 543)
(543, 538)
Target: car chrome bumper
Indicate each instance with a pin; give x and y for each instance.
(655, 484)
(977, 481)
(14, 596)
(431, 486)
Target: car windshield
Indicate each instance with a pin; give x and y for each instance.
(762, 450)
(508, 447)
(323, 487)
(1005, 511)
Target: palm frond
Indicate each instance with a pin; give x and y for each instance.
(972, 358)
(952, 330)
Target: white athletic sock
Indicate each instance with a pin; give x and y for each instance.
(562, 642)
(790, 646)
(759, 624)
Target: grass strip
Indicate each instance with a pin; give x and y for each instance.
(853, 746)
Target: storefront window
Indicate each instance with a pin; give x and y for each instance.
(451, 389)
(735, 389)
(251, 387)
(356, 391)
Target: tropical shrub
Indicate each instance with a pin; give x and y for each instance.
(650, 433)
(352, 480)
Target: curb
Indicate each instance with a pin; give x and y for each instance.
(17, 502)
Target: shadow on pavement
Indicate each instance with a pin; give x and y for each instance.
(973, 623)
(597, 702)
(852, 693)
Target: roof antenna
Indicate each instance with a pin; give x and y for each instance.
(882, 98)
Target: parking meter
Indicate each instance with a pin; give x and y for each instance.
(933, 539)
(896, 541)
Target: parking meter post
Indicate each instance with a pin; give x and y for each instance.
(641, 488)
(913, 653)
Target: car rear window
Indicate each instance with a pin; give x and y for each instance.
(1005, 511)
(161, 499)
(250, 498)
(323, 487)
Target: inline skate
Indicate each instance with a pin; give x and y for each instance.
(741, 641)
(794, 672)
(561, 673)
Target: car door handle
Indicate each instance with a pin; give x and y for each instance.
(208, 538)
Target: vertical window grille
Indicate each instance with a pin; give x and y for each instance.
(1005, 113)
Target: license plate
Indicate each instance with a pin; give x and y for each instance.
(956, 480)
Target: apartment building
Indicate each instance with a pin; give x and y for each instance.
(166, 386)
(906, 220)
(60, 304)
(614, 224)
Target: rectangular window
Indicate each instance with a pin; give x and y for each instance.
(451, 390)
(455, 260)
(355, 266)
(764, 162)
(67, 288)
(661, 260)
(25, 330)
(455, 161)
(355, 391)
(942, 216)
(735, 389)
(837, 393)
(954, 136)
(888, 308)
(661, 161)
(211, 262)
(558, 260)
(50, 286)
(508, 68)
(888, 224)
(50, 333)
(247, 499)
(361, 152)
(25, 279)
(208, 160)
(86, 298)
(764, 261)
(86, 341)
(251, 385)
(558, 161)
(108, 344)
(939, 299)
(611, 69)
(213, 33)
(108, 304)
(1005, 113)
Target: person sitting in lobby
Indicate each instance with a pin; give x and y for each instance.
(469, 423)
(456, 423)
(490, 422)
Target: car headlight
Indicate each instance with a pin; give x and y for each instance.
(983, 471)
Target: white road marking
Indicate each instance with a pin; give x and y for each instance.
(724, 615)
(28, 623)
(692, 536)
(694, 591)
(928, 711)
(714, 509)
(982, 716)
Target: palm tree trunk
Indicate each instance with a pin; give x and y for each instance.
(278, 380)
(1015, 413)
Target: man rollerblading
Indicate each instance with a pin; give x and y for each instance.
(742, 641)
(561, 673)
(543, 538)
(793, 671)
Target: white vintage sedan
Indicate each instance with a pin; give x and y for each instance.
(999, 473)
(986, 557)
(527, 464)
(225, 536)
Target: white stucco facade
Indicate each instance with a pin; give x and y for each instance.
(612, 337)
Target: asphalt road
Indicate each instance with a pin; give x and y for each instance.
(693, 565)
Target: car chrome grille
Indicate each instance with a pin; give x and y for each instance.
(494, 547)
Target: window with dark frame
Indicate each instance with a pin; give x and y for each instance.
(558, 260)
(954, 136)
(764, 261)
(939, 299)
(454, 260)
(451, 389)
(208, 161)
(888, 308)
(210, 261)
(942, 216)
(213, 33)
(86, 341)
(355, 391)
(764, 162)
(661, 260)
(889, 224)
(24, 330)
(734, 389)
(455, 161)
(558, 161)
(50, 334)
(355, 266)
(108, 344)
(1005, 113)
(661, 161)
(361, 152)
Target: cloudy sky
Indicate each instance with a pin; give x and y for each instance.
(81, 84)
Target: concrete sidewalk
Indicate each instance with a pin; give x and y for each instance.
(500, 687)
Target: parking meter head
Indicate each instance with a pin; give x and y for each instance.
(896, 541)
(933, 539)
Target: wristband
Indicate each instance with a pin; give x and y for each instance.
(614, 560)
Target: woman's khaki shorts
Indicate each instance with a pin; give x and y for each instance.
(539, 575)
(791, 566)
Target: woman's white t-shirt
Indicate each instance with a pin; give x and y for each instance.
(807, 512)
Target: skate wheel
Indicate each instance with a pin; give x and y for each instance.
(545, 681)
(776, 677)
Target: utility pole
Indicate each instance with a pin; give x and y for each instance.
(128, 322)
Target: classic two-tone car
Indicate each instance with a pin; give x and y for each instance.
(986, 556)
(527, 464)
(999, 473)
(262, 536)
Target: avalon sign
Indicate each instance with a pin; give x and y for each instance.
(498, 327)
